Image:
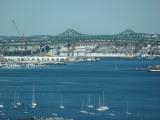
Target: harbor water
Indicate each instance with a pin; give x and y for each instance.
(125, 90)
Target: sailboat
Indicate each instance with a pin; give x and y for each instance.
(127, 112)
(1, 105)
(18, 102)
(89, 102)
(34, 104)
(54, 114)
(25, 111)
(14, 102)
(2, 114)
(83, 111)
(61, 103)
(102, 107)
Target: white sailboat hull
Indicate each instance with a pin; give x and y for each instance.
(128, 113)
(15, 107)
(154, 70)
(18, 103)
(90, 106)
(61, 106)
(102, 108)
(25, 112)
(83, 111)
(34, 105)
(1, 106)
(54, 114)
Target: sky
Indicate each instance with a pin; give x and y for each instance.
(51, 17)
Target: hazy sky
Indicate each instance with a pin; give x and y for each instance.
(50, 17)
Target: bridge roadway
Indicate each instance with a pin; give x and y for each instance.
(55, 43)
(35, 46)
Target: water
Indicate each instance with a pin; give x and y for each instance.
(75, 81)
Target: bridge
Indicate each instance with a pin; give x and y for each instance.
(35, 45)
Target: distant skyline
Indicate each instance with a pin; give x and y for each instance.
(51, 17)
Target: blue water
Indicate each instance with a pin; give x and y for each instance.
(75, 81)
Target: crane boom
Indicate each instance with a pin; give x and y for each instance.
(16, 27)
(21, 36)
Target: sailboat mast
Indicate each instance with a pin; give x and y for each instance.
(33, 93)
(61, 100)
(99, 101)
(82, 104)
(14, 99)
(18, 98)
(33, 99)
(89, 100)
(127, 107)
(103, 98)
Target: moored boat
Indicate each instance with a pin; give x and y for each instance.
(154, 68)
(102, 107)
(34, 104)
(61, 106)
(89, 102)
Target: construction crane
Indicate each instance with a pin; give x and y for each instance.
(14, 23)
(20, 35)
